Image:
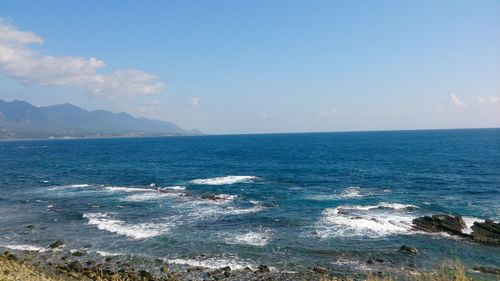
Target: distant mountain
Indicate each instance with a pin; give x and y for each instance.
(19, 120)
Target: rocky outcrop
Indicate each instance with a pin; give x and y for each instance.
(408, 249)
(56, 244)
(487, 232)
(440, 223)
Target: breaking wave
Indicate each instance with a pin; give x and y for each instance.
(350, 192)
(372, 221)
(137, 231)
(254, 238)
(214, 263)
(22, 247)
(224, 180)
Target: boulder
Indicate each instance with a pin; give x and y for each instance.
(440, 223)
(263, 269)
(56, 244)
(487, 232)
(408, 249)
(320, 270)
(75, 266)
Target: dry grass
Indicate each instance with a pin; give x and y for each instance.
(447, 272)
(13, 270)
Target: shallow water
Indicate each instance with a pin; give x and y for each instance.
(285, 200)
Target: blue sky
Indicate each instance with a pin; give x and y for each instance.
(260, 66)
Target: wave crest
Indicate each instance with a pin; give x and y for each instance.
(137, 231)
(224, 180)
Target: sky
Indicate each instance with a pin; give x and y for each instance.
(229, 67)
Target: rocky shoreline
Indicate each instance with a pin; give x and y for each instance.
(57, 263)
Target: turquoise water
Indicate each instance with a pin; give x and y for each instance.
(286, 200)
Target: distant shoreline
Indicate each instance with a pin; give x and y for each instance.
(246, 134)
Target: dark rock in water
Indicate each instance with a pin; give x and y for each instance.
(145, 274)
(408, 249)
(108, 259)
(490, 270)
(440, 223)
(320, 270)
(379, 260)
(78, 254)
(56, 244)
(75, 266)
(487, 232)
(370, 261)
(209, 197)
(31, 226)
(262, 269)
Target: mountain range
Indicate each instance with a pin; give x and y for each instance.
(22, 120)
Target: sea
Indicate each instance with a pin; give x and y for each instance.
(289, 201)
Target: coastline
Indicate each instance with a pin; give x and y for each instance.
(58, 265)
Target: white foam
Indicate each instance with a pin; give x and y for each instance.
(175, 187)
(350, 192)
(469, 222)
(372, 221)
(127, 189)
(214, 263)
(82, 185)
(150, 196)
(22, 247)
(224, 180)
(137, 231)
(107, 254)
(260, 238)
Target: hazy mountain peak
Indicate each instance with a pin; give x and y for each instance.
(20, 119)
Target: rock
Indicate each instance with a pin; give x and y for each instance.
(108, 259)
(209, 197)
(30, 226)
(145, 274)
(487, 232)
(78, 254)
(379, 260)
(164, 269)
(370, 261)
(75, 266)
(263, 269)
(56, 244)
(408, 249)
(440, 223)
(11, 256)
(320, 270)
(489, 270)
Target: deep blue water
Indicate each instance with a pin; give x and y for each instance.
(286, 200)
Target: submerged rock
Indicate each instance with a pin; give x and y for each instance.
(487, 232)
(56, 244)
(408, 249)
(489, 270)
(440, 223)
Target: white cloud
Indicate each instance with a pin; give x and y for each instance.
(456, 101)
(263, 115)
(9, 34)
(27, 65)
(195, 101)
(331, 112)
(488, 100)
